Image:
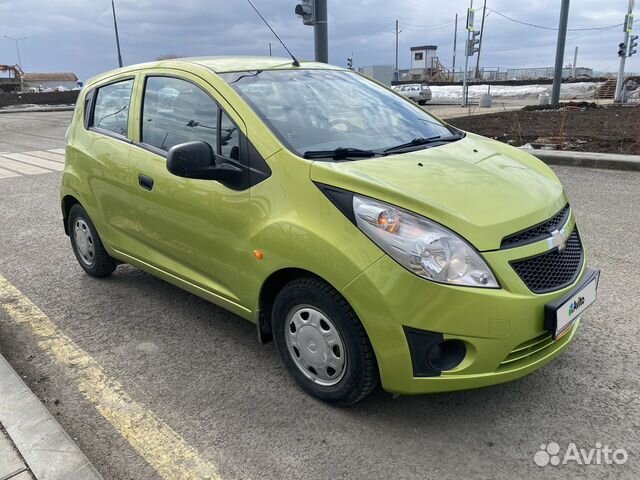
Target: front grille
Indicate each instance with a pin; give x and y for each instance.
(554, 269)
(537, 232)
(526, 349)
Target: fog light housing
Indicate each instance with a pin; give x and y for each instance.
(431, 354)
(446, 355)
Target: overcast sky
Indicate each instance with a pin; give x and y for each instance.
(77, 35)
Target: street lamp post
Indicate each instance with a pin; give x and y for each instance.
(17, 47)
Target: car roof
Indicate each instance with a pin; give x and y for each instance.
(223, 64)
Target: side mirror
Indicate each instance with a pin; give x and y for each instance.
(197, 160)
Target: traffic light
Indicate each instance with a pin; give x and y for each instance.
(622, 49)
(350, 63)
(306, 10)
(473, 45)
(633, 43)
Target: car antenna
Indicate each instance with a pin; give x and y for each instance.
(296, 63)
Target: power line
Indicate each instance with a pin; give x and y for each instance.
(543, 27)
(357, 39)
(424, 28)
(536, 45)
(411, 29)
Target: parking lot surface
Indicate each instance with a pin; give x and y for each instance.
(153, 382)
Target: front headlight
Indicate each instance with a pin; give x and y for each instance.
(421, 245)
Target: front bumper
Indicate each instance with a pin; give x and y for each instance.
(503, 329)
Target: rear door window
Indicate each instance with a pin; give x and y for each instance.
(111, 107)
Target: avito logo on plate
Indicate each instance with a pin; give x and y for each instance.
(576, 305)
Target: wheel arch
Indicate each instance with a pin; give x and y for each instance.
(268, 292)
(68, 201)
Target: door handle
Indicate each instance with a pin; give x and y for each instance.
(145, 182)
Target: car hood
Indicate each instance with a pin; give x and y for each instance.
(482, 189)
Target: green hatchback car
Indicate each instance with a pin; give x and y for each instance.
(371, 241)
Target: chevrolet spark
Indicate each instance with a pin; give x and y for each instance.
(371, 241)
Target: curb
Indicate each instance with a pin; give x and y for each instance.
(66, 108)
(610, 161)
(46, 448)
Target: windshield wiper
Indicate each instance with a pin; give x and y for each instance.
(416, 143)
(340, 153)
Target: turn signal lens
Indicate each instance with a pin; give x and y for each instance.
(389, 221)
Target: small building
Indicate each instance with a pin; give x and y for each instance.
(45, 81)
(381, 73)
(425, 64)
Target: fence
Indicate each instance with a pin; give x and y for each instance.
(503, 74)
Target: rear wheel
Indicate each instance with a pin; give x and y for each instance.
(322, 342)
(87, 246)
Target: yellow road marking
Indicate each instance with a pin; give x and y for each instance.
(165, 450)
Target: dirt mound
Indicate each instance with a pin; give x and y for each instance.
(606, 129)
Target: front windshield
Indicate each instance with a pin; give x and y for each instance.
(311, 110)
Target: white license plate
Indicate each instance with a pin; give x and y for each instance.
(569, 311)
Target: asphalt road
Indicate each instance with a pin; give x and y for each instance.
(200, 370)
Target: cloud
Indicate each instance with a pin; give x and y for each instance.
(77, 35)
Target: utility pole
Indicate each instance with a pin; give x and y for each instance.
(465, 87)
(270, 49)
(562, 38)
(320, 31)
(17, 47)
(455, 47)
(575, 62)
(397, 71)
(484, 15)
(624, 47)
(115, 26)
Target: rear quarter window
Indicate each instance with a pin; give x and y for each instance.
(88, 98)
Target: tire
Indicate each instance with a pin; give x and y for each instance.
(422, 102)
(331, 333)
(87, 246)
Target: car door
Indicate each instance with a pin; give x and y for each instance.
(102, 155)
(195, 230)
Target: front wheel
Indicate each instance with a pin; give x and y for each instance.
(322, 342)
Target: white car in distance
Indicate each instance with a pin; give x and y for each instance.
(418, 92)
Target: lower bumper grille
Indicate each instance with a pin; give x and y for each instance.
(528, 348)
(554, 269)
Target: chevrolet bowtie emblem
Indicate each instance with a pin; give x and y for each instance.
(558, 240)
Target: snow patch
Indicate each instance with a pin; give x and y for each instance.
(568, 91)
